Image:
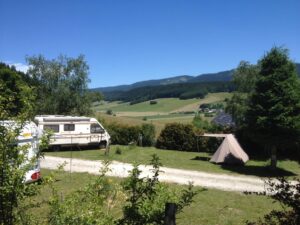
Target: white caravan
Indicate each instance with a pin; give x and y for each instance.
(73, 131)
(29, 136)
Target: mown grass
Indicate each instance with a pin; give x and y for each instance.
(209, 206)
(185, 160)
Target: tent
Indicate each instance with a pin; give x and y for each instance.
(230, 151)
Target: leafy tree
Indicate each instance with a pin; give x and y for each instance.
(95, 96)
(244, 78)
(16, 96)
(61, 84)
(16, 104)
(273, 114)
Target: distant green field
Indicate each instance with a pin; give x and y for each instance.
(167, 110)
(164, 105)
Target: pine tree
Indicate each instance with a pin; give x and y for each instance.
(273, 116)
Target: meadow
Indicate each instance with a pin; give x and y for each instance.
(209, 206)
(167, 110)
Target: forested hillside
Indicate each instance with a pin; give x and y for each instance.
(182, 91)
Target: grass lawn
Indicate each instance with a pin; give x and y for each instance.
(185, 160)
(209, 206)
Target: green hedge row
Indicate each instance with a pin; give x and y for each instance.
(125, 134)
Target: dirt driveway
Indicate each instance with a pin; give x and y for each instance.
(179, 176)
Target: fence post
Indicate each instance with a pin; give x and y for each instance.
(170, 212)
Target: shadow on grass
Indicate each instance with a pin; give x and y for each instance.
(202, 158)
(260, 171)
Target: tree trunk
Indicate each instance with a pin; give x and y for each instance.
(273, 158)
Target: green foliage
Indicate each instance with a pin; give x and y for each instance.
(109, 112)
(273, 115)
(15, 95)
(237, 107)
(244, 78)
(142, 200)
(94, 204)
(61, 85)
(147, 197)
(177, 136)
(16, 105)
(148, 134)
(95, 96)
(202, 124)
(288, 195)
(153, 102)
(266, 105)
(125, 134)
(118, 151)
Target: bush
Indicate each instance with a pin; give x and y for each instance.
(148, 134)
(125, 134)
(93, 204)
(118, 151)
(288, 195)
(177, 136)
(109, 112)
(153, 102)
(146, 197)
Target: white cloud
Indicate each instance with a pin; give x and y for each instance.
(19, 66)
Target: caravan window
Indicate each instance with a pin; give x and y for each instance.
(69, 127)
(96, 129)
(54, 128)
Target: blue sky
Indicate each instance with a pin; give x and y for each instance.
(125, 41)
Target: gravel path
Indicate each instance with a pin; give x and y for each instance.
(179, 176)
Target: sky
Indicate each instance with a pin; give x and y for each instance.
(125, 41)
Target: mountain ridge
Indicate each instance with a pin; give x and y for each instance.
(225, 75)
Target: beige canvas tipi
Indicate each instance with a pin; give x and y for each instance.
(230, 152)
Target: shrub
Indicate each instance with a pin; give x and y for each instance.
(177, 136)
(109, 112)
(148, 134)
(118, 151)
(146, 197)
(92, 204)
(153, 102)
(288, 195)
(123, 134)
